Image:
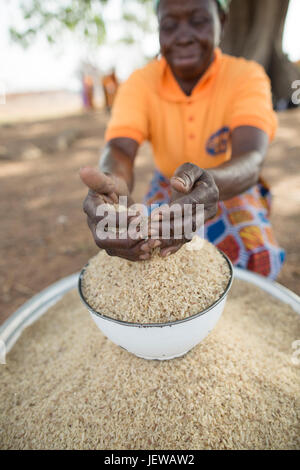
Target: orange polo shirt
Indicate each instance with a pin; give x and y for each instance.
(151, 106)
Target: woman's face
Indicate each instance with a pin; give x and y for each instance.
(189, 31)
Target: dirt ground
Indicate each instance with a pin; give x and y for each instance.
(44, 235)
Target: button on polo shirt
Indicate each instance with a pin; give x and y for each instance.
(151, 106)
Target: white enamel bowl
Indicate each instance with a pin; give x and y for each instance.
(161, 340)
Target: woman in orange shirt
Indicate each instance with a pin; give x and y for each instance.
(209, 118)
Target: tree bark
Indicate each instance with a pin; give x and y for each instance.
(255, 31)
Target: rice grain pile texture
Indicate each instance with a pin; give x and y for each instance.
(66, 386)
(159, 290)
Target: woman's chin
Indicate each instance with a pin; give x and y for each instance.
(188, 62)
(188, 73)
(188, 67)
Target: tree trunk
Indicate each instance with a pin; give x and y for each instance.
(255, 31)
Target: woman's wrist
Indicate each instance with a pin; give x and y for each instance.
(119, 167)
(237, 175)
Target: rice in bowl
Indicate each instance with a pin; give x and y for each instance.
(158, 290)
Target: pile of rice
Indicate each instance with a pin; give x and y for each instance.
(158, 290)
(66, 386)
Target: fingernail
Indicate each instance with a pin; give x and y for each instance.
(144, 257)
(165, 254)
(154, 244)
(180, 180)
(145, 247)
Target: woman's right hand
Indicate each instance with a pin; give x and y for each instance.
(106, 189)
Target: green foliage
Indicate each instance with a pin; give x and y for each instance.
(83, 17)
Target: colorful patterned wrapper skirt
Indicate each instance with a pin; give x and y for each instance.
(241, 228)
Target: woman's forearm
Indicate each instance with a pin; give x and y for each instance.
(238, 175)
(115, 161)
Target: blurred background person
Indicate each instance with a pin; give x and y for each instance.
(110, 86)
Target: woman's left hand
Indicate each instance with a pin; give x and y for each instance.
(190, 185)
